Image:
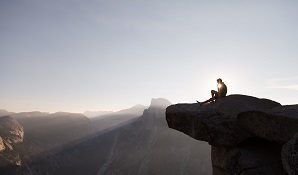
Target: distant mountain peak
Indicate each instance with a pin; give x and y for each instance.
(138, 106)
(160, 102)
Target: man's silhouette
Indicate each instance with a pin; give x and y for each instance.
(222, 92)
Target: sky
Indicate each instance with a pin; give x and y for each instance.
(78, 55)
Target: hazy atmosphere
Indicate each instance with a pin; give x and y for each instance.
(63, 55)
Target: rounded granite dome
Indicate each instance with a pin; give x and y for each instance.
(160, 102)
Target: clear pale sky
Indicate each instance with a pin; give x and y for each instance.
(77, 55)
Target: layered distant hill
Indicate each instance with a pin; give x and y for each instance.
(4, 113)
(92, 114)
(53, 130)
(45, 131)
(131, 141)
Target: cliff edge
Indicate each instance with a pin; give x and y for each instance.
(248, 135)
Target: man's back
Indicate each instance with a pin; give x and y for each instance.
(223, 90)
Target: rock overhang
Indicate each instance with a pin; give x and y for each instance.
(248, 135)
(216, 122)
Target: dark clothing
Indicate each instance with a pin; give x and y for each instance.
(222, 91)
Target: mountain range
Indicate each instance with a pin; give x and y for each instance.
(131, 141)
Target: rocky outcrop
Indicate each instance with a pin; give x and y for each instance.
(246, 133)
(10, 130)
(11, 134)
(215, 122)
(290, 156)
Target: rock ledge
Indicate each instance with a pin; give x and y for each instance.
(247, 134)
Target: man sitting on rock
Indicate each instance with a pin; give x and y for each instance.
(222, 91)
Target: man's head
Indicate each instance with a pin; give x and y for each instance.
(219, 81)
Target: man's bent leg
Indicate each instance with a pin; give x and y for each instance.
(213, 93)
(208, 101)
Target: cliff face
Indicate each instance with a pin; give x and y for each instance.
(2, 147)
(11, 133)
(247, 134)
(148, 147)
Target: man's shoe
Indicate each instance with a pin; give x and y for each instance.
(199, 103)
